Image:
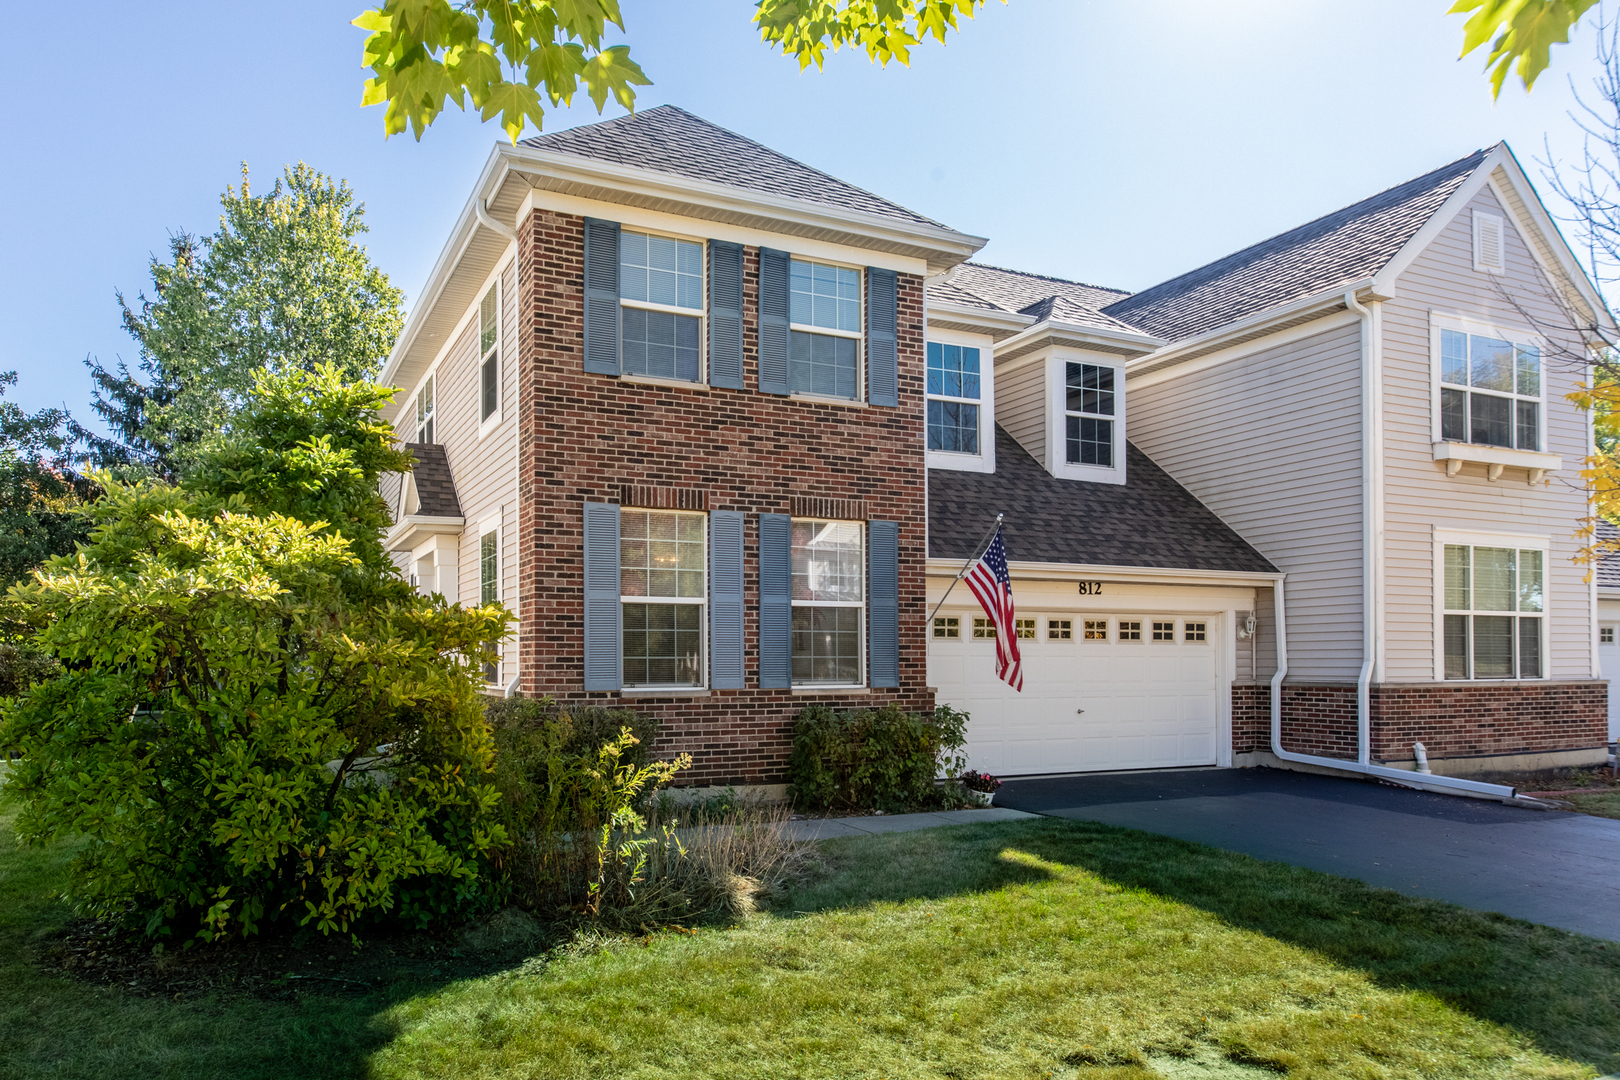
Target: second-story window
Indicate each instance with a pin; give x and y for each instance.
(1490, 391)
(489, 364)
(953, 398)
(424, 412)
(661, 293)
(824, 346)
(1089, 414)
(662, 571)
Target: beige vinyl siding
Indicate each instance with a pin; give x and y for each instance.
(1418, 494)
(1021, 406)
(1272, 443)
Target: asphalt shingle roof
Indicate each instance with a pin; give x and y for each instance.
(1608, 567)
(669, 139)
(435, 489)
(1150, 521)
(1343, 247)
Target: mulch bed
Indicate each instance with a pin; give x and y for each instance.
(99, 953)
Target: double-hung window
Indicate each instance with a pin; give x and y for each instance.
(489, 363)
(1490, 390)
(828, 560)
(1494, 606)
(662, 586)
(424, 412)
(661, 301)
(824, 339)
(489, 592)
(953, 398)
(1088, 414)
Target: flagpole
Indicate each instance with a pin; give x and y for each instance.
(979, 550)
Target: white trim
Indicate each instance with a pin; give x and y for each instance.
(996, 323)
(1494, 538)
(985, 460)
(1057, 426)
(1106, 572)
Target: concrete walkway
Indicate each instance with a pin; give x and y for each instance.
(829, 828)
(1551, 867)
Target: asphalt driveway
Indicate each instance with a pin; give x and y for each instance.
(1556, 868)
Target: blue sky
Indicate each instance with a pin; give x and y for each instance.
(1118, 144)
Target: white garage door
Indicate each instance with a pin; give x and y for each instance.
(1100, 692)
(1609, 658)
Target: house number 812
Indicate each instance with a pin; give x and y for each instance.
(1091, 588)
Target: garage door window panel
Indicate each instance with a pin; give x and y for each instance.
(829, 602)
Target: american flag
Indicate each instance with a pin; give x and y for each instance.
(992, 584)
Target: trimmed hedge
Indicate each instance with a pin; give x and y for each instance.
(874, 759)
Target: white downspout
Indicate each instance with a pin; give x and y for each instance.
(1449, 785)
(1371, 363)
(481, 208)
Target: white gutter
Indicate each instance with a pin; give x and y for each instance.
(1446, 785)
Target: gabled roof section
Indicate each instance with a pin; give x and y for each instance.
(671, 140)
(1150, 521)
(435, 488)
(1342, 248)
(1014, 290)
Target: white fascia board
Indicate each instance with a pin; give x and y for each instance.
(489, 182)
(994, 322)
(1209, 340)
(1062, 333)
(951, 246)
(1568, 266)
(409, 531)
(1051, 571)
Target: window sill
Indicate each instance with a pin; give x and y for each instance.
(843, 690)
(1495, 459)
(658, 380)
(820, 399)
(668, 691)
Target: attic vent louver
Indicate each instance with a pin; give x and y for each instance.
(1488, 243)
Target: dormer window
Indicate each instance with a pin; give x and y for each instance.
(953, 398)
(1089, 415)
(424, 412)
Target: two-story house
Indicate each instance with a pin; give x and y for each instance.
(721, 429)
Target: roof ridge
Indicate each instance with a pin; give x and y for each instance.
(1415, 182)
(1047, 277)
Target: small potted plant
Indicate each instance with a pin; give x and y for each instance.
(979, 788)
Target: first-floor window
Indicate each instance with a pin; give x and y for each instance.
(829, 602)
(662, 587)
(1494, 605)
(489, 592)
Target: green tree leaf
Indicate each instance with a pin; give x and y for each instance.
(1524, 30)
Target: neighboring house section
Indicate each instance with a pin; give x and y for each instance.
(1606, 579)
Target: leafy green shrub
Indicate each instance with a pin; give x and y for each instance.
(880, 759)
(21, 666)
(589, 727)
(256, 720)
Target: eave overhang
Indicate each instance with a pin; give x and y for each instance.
(412, 530)
(1143, 575)
(1057, 333)
(969, 319)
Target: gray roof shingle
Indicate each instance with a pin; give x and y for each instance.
(435, 489)
(1150, 521)
(668, 139)
(1343, 247)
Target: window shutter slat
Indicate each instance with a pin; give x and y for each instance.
(725, 314)
(604, 634)
(882, 337)
(775, 602)
(883, 602)
(773, 321)
(726, 600)
(601, 296)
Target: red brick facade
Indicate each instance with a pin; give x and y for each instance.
(1452, 720)
(595, 438)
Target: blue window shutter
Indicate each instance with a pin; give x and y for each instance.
(604, 634)
(602, 297)
(883, 602)
(725, 315)
(773, 321)
(775, 602)
(882, 337)
(726, 600)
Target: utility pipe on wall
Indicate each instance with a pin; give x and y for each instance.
(1449, 785)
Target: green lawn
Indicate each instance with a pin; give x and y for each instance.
(1026, 949)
